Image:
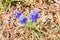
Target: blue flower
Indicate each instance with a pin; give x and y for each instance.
(34, 15)
(22, 19)
(17, 13)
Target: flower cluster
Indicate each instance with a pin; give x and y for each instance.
(33, 15)
(23, 19)
(17, 13)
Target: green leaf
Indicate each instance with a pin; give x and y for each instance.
(8, 0)
(58, 28)
(18, 0)
(5, 4)
(30, 24)
(0, 0)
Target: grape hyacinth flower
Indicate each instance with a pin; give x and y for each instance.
(34, 15)
(22, 19)
(17, 13)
